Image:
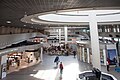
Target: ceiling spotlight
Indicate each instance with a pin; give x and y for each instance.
(24, 25)
(8, 22)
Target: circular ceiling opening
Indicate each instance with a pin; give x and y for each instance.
(75, 16)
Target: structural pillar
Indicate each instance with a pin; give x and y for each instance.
(66, 36)
(104, 54)
(88, 55)
(78, 54)
(41, 55)
(3, 66)
(83, 54)
(59, 35)
(94, 40)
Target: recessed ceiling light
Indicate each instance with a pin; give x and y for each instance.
(8, 22)
(24, 25)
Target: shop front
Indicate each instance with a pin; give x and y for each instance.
(106, 51)
(19, 58)
(3, 62)
(84, 53)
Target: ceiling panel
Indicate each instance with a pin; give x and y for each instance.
(14, 10)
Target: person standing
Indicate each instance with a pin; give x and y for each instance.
(74, 53)
(108, 64)
(61, 67)
(56, 60)
(115, 61)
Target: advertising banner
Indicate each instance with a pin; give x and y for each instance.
(112, 56)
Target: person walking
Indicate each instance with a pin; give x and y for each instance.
(74, 53)
(115, 61)
(108, 64)
(61, 67)
(56, 60)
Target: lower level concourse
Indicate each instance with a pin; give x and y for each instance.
(47, 70)
(59, 39)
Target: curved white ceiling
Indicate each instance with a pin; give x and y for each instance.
(63, 18)
(82, 16)
(87, 12)
(72, 17)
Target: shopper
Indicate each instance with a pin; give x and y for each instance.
(74, 53)
(56, 60)
(108, 64)
(115, 61)
(61, 67)
(66, 53)
(18, 63)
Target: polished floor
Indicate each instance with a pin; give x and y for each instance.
(47, 70)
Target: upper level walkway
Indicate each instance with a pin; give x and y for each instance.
(47, 71)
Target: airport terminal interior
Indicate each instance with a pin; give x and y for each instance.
(59, 39)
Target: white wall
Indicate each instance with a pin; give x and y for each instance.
(111, 46)
(102, 46)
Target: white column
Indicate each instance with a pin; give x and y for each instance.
(3, 66)
(88, 55)
(94, 40)
(80, 56)
(78, 53)
(66, 34)
(83, 54)
(104, 54)
(59, 35)
(41, 55)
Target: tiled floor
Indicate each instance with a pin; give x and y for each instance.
(47, 71)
